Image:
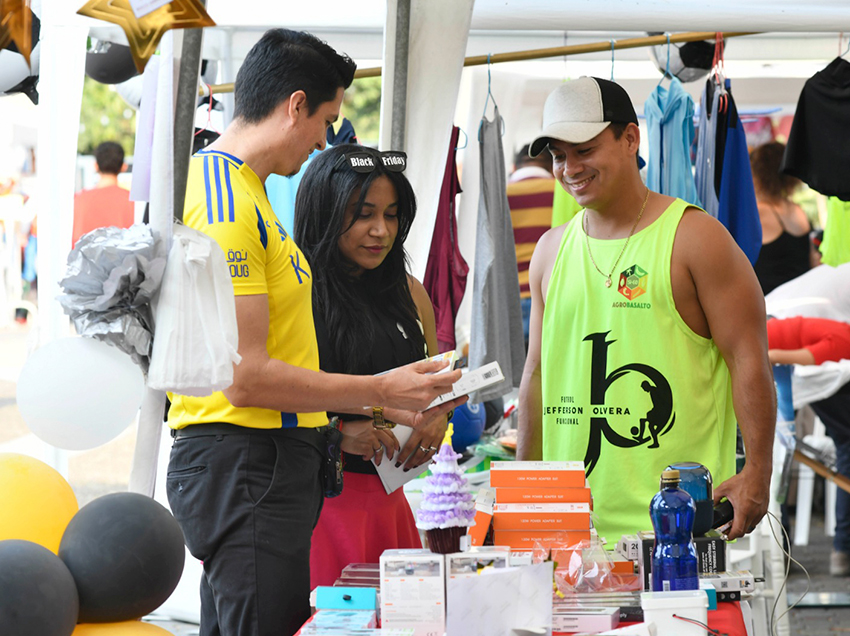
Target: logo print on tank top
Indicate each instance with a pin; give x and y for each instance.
(633, 282)
(657, 420)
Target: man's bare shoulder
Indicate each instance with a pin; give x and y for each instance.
(698, 229)
(703, 244)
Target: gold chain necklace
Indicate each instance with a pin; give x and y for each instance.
(628, 238)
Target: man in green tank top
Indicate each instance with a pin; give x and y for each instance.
(647, 339)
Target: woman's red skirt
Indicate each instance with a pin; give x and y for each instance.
(358, 525)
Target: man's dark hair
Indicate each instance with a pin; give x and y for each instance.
(544, 159)
(618, 128)
(110, 157)
(284, 62)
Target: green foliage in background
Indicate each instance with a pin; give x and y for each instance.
(105, 116)
(362, 107)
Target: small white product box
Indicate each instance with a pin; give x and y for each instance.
(462, 565)
(668, 609)
(586, 619)
(413, 591)
(629, 546)
(521, 558)
(472, 380)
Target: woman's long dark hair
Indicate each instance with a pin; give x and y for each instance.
(348, 304)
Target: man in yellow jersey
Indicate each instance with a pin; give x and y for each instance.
(244, 475)
(647, 341)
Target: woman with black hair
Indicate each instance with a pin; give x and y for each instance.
(785, 251)
(353, 212)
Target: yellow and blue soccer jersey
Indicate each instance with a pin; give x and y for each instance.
(226, 200)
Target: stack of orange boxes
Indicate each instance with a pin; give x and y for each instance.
(540, 503)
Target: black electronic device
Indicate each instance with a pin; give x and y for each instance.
(723, 514)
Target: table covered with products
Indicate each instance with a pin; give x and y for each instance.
(531, 561)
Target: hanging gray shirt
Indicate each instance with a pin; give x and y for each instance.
(496, 332)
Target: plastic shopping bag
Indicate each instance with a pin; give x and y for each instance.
(196, 337)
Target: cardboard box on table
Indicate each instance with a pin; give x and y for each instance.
(541, 516)
(539, 495)
(537, 474)
(484, 502)
(528, 540)
(711, 554)
(586, 619)
(413, 591)
(473, 561)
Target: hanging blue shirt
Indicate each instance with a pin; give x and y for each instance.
(281, 192)
(670, 119)
(737, 207)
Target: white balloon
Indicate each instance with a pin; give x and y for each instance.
(79, 393)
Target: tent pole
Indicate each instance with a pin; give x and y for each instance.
(184, 114)
(558, 51)
(399, 98)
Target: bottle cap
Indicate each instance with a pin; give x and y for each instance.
(670, 475)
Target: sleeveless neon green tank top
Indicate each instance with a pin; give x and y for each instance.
(627, 386)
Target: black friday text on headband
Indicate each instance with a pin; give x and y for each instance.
(392, 160)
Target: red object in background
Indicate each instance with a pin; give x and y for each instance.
(759, 130)
(783, 129)
(101, 207)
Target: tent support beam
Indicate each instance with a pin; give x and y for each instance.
(558, 51)
(184, 115)
(399, 101)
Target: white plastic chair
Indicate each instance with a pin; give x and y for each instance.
(806, 485)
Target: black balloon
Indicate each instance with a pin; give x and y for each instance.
(37, 592)
(110, 63)
(125, 552)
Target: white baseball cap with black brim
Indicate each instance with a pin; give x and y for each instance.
(580, 109)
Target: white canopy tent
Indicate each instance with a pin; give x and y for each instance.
(767, 70)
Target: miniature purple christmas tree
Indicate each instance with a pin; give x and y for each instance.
(447, 507)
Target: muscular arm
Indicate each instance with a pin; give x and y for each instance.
(530, 429)
(265, 382)
(729, 295)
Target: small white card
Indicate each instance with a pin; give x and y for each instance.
(143, 7)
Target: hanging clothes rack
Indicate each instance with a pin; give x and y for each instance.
(538, 54)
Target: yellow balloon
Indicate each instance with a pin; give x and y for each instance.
(36, 503)
(125, 628)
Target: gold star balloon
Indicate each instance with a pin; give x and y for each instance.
(144, 34)
(16, 26)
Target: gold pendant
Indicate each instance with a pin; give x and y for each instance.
(608, 281)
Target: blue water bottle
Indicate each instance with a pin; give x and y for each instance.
(674, 557)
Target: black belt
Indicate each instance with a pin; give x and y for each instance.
(314, 436)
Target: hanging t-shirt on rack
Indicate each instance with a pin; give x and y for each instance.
(670, 119)
(496, 314)
(817, 151)
(446, 271)
(737, 208)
